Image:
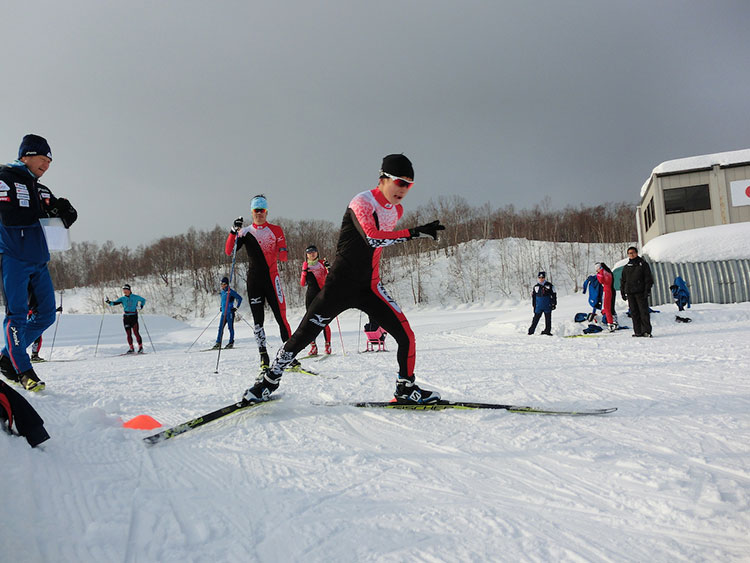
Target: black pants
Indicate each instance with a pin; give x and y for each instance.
(639, 313)
(17, 410)
(547, 322)
(335, 298)
(130, 322)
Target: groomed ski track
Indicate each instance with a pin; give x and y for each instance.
(664, 478)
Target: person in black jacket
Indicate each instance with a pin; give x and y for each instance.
(14, 409)
(543, 302)
(24, 255)
(635, 286)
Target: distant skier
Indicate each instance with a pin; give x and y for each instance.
(24, 255)
(635, 286)
(354, 281)
(131, 304)
(36, 346)
(319, 270)
(680, 293)
(230, 302)
(605, 277)
(265, 245)
(543, 302)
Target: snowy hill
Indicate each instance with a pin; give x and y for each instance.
(665, 478)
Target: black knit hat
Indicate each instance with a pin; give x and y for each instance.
(33, 145)
(225, 280)
(126, 286)
(542, 274)
(311, 248)
(397, 165)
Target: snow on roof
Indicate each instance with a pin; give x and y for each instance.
(697, 163)
(720, 242)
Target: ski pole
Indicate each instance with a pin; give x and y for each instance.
(341, 336)
(54, 336)
(147, 334)
(204, 330)
(100, 332)
(226, 304)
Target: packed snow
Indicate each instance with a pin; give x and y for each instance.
(720, 242)
(664, 478)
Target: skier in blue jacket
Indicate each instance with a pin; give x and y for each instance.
(131, 304)
(230, 302)
(543, 301)
(24, 255)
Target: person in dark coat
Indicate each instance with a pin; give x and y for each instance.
(635, 286)
(543, 301)
(14, 409)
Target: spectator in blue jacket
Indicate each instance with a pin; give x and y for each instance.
(131, 304)
(543, 301)
(230, 302)
(24, 255)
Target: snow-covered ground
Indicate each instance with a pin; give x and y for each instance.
(665, 478)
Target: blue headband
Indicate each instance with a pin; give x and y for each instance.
(259, 202)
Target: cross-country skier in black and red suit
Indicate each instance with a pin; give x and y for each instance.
(314, 273)
(266, 246)
(354, 281)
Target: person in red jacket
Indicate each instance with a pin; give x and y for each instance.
(604, 275)
(315, 282)
(265, 245)
(369, 225)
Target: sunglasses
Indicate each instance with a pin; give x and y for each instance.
(400, 182)
(260, 210)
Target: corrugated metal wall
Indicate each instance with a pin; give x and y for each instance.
(726, 281)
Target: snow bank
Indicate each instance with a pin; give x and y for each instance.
(720, 242)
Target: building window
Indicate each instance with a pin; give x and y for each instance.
(690, 198)
(649, 215)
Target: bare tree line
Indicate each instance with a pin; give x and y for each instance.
(195, 261)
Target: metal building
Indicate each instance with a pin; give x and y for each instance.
(695, 192)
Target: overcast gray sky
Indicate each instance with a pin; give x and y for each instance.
(167, 115)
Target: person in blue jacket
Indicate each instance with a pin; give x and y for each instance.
(543, 301)
(230, 302)
(131, 304)
(24, 255)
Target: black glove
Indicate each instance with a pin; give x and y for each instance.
(59, 309)
(237, 225)
(326, 264)
(234, 309)
(107, 301)
(63, 210)
(430, 229)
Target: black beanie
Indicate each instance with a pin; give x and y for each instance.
(225, 280)
(311, 248)
(33, 145)
(397, 165)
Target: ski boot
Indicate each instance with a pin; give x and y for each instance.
(131, 351)
(408, 392)
(35, 357)
(7, 369)
(313, 350)
(612, 327)
(328, 348)
(140, 349)
(229, 345)
(216, 346)
(264, 386)
(30, 381)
